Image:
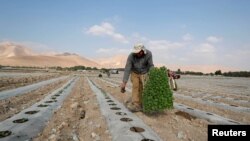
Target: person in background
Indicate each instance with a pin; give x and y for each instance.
(108, 73)
(138, 65)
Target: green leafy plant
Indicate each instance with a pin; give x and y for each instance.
(157, 95)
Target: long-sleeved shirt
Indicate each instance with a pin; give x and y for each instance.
(138, 65)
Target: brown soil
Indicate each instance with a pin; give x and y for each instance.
(15, 82)
(172, 125)
(13, 105)
(235, 115)
(79, 118)
(238, 116)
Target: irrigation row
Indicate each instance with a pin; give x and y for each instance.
(212, 117)
(234, 108)
(28, 123)
(203, 96)
(216, 104)
(123, 125)
(22, 90)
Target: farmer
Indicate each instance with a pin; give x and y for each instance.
(138, 64)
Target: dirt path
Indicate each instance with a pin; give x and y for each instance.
(78, 119)
(172, 125)
(13, 105)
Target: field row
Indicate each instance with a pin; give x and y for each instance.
(14, 80)
(74, 111)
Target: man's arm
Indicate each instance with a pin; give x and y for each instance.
(127, 71)
(150, 60)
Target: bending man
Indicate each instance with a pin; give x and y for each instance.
(138, 65)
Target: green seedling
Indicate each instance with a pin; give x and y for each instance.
(157, 95)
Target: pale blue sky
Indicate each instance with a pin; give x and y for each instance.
(179, 32)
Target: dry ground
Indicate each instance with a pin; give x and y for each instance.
(79, 117)
(13, 105)
(15, 80)
(172, 125)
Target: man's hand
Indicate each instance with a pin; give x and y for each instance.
(123, 85)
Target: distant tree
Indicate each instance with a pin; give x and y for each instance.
(179, 71)
(75, 68)
(88, 68)
(120, 69)
(237, 74)
(218, 72)
(193, 73)
(59, 68)
(102, 70)
(80, 67)
(95, 68)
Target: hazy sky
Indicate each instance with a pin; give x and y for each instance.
(179, 32)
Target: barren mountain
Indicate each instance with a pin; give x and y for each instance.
(18, 55)
(9, 49)
(117, 61)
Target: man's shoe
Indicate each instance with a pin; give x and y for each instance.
(134, 108)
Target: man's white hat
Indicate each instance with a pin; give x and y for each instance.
(138, 47)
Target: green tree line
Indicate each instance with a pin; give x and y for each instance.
(217, 72)
(75, 68)
(237, 74)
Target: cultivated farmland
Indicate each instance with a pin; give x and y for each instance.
(81, 106)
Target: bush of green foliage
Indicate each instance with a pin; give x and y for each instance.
(157, 95)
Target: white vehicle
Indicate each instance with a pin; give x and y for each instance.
(114, 71)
